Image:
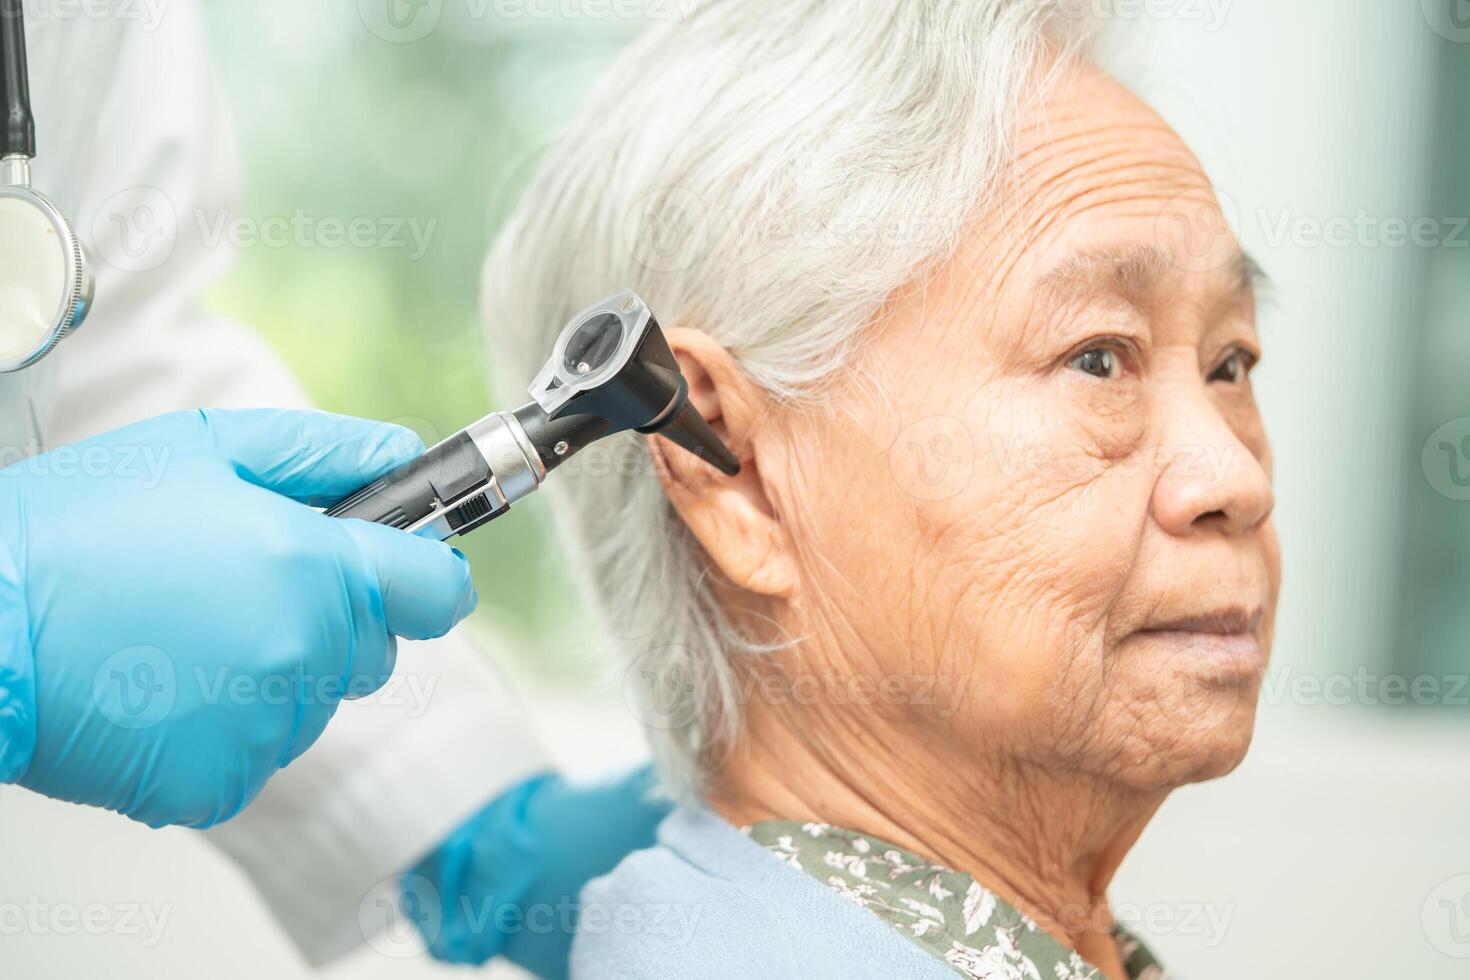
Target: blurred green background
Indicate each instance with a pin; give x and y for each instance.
(340, 117)
(1434, 615)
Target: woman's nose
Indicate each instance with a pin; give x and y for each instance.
(1209, 477)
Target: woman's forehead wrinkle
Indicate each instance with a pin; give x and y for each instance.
(1080, 216)
(1124, 173)
(1127, 169)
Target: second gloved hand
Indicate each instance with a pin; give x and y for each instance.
(509, 880)
(193, 626)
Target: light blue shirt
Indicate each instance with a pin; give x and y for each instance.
(708, 902)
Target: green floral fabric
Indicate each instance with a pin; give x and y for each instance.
(946, 912)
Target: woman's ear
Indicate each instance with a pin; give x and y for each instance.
(731, 516)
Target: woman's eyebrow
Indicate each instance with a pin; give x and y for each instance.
(1252, 278)
(1135, 270)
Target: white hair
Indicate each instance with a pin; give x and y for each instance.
(769, 171)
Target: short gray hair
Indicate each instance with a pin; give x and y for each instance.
(769, 171)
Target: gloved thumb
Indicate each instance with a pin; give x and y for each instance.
(316, 458)
(426, 585)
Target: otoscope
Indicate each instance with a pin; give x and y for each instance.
(610, 371)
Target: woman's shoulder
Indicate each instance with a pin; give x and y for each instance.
(707, 901)
(669, 911)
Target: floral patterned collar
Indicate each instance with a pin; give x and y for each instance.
(946, 912)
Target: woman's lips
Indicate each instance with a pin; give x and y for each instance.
(1225, 636)
(1222, 622)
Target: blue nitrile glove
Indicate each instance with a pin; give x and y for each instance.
(507, 880)
(176, 624)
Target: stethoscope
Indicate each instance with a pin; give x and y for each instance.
(45, 284)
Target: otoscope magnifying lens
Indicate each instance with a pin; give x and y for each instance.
(592, 345)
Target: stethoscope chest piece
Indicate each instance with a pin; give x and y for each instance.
(45, 284)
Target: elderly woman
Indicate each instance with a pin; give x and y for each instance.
(999, 571)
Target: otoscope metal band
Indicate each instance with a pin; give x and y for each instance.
(515, 473)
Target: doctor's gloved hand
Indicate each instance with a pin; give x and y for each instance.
(177, 622)
(508, 880)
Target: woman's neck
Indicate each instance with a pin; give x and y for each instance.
(1046, 842)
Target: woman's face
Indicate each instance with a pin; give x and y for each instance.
(1046, 490)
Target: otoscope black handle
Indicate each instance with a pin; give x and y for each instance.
(467, 480)
(434, 482)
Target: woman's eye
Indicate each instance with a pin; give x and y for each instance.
(1234, 369)
(1100, 363)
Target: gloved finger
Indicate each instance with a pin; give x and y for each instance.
(316, 458)
(425, 585)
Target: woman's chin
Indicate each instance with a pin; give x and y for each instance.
(1185, 706)
(1203, 736)
(1219, 752)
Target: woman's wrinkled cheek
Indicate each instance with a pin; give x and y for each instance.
(1027, 563)
(1109, 421)
(856, 526)
(1053, 437)
(1039, 692)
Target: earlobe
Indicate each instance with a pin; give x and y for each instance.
(732, 517)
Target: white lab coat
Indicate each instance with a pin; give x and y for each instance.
(134, 142)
